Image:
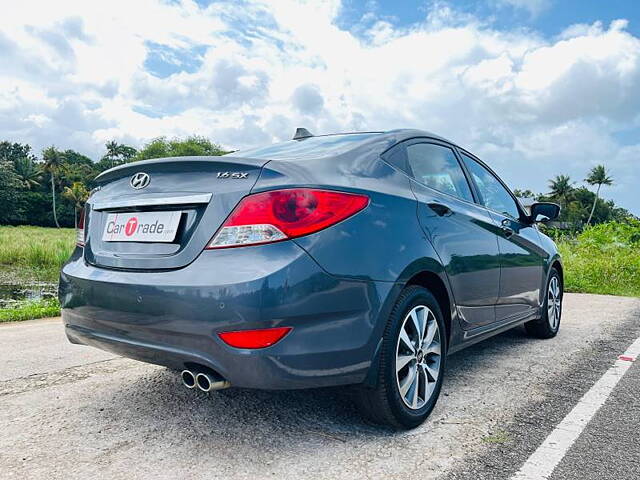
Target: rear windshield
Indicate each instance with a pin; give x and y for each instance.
(310, 148)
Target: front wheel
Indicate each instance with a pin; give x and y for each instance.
(412, 363)
(549, 324)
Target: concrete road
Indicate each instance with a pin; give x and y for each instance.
(69, 412)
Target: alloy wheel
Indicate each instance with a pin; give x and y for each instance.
(554, 303)
(418, 357)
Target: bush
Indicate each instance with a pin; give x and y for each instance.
(604, 259)
(30, 310)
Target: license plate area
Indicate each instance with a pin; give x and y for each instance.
(155, 227)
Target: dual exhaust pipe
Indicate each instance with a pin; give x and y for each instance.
(204, 380)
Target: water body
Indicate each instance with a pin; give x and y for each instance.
(14, 293)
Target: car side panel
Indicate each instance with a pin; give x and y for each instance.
(465, 240)
(463, 234)
(522, 262)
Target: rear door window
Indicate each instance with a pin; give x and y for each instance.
(436, 166)
(494, 195)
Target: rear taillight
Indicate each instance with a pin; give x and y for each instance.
(80, 229)
(282, 214)
(264, 337)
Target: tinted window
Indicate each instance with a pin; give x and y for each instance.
(396, 157)
(493, 193)
(438, 168)
(312, 147)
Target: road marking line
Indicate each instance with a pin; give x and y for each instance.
(544, 460)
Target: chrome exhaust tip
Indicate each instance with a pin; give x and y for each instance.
(188, 379)
(207, 382)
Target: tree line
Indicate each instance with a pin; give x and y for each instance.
(581, 206)
(48, 189)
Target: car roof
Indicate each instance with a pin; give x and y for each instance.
(399, 133)
(311, 147)
(407, 133)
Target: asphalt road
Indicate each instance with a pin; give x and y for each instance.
(69, 412)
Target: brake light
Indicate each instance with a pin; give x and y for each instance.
(80, 229)
(265, 337)
(283, 214)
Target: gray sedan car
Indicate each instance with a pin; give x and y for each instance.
(357, 259)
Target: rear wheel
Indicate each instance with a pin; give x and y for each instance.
(412, 363)
(549, 324)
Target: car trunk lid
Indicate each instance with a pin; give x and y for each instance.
(186, 198)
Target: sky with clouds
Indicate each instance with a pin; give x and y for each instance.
(534, 87)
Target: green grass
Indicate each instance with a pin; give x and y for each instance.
(29, 310)
(34, 253)
(604, 259)
(499, 437)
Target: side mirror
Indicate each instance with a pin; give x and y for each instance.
(549, 211)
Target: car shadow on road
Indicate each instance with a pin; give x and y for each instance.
(487, 351)
(156, 401)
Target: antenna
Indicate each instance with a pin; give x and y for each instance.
(302, 133)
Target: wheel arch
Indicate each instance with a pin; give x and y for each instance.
(554, 262)
(557, 264)
(427, 273)
(432, 282)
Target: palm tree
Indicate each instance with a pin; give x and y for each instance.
(52, 161)
(77, 194)
(597, 176)
(113, 151)
(118, 153)
(561, 188)
(27, 171)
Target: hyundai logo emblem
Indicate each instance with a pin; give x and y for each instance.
(140, 180)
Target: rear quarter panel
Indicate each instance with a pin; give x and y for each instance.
(382, 243)
(377, 244)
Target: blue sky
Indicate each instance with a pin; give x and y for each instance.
(536, 88)
(546, 17)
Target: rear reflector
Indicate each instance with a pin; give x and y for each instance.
(80, 229)
(283, 214)
(265, 337)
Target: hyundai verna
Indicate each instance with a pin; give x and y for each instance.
(349, 259)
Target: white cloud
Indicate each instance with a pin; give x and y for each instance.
(242, 73)
(307, 99)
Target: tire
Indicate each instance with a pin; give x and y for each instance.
(387, 403)
(549, 324)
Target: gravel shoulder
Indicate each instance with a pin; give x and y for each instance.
(69, 411)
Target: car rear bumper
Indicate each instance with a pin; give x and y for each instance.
(172, 317)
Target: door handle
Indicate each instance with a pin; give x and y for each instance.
(440, 209)
(506, 228)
